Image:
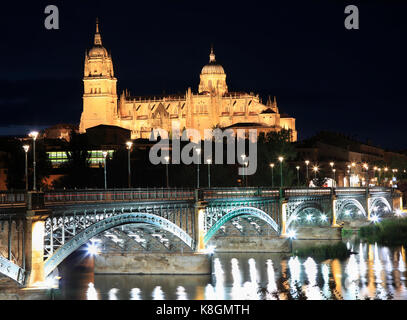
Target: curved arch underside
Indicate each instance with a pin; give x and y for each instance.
(350, 202)
(303, 207)
(383, 200)
(128, 218)
(244, 211)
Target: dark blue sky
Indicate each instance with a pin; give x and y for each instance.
(328, 77)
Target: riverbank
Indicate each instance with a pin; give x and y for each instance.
(389, 232)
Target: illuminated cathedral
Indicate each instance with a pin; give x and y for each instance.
(212, 106)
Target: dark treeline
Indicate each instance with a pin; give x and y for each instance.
(78, 174)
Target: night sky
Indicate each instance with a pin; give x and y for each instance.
(327, 77)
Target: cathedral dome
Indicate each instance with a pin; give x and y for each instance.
(212, 67)
(97, 51)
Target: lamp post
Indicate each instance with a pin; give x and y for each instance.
(198, 152)
(334, 171)
(385, 172)
(34, 136)
(366, 167)
(298, 176)
(209, 162)
(374, 170)
(243, 156)
(104, 167)
(315, 169)
(281, 159)
(272, 174)
(332, 164)
(167, 161)
(129, 144)
(26, 148)
(353, 166)
(246, 164)
(307, 163)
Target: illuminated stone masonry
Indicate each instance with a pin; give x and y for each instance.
(212, 106)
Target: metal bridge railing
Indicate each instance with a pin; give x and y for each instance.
(304, 192)
(221, 193)
(138, 194)
(12, 197)
(19, 198)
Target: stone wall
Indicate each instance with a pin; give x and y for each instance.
(250, 244)
(152, 263)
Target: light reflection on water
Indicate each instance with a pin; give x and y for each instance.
(373, 272)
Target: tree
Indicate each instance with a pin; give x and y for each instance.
(77, 172)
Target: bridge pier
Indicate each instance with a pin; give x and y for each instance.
(199, 226)
(34, 229)
(333, 206)
(368, 198)
(283, 218)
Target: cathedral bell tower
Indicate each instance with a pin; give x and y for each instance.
(100, 95)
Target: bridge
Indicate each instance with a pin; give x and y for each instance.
(40, 230)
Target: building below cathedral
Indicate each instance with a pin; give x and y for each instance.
(212, 106)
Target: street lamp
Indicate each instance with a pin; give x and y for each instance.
(104, 167)
(167, 161)
(129, 144)
(332, 164)
(307, 163)
(243, 156)
(246, 164)
(198, 152)
(366, 167)
(334, 170)
(298, 175)
(34, 136)
(380, 175)
(272, 174)
(209, 162)
(281, 159)
(315, 169)
(26, 148)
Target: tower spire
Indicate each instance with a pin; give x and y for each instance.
(212, 55)
(98, 37)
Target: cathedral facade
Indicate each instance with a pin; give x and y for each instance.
(212, 106)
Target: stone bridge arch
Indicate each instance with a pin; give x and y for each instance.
(238, 212)
(111, 222)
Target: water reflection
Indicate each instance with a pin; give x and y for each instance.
(91, 293)
(373, 272)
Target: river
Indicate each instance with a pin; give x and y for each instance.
(372, 272)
